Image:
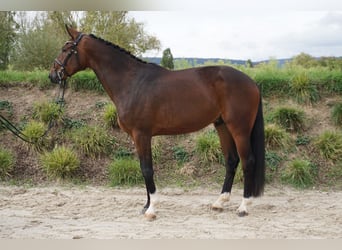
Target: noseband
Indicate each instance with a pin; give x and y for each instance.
(62, 72)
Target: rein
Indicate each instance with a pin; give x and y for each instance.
(15, 131)
(59, 100)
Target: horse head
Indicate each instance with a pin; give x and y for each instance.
(70, 60)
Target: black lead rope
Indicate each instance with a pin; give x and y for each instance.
(15, 131)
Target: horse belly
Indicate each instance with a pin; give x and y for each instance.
(181, 119)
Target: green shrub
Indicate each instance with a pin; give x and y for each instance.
(6, 162)
(92, 140)
(329, 145)
(302, 140)
(276, 137)
(289, 118)
(35, 133)
(336, 114)
(180, 154)
(47, 111)
(273, 161)
(60, 163)
(208, 147)
(303, 90)
(125, 171)
(300, 173)
(110, 115)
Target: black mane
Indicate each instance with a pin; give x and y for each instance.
(118, 48)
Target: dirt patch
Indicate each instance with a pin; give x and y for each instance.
(104, 213)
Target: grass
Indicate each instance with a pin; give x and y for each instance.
(208, 147)
(7, 161)
(300, 173)
(34, 132)
(62, 162)
(289, 118)
(110, 115)
(336, 114)
(302, 89)
(125, 172)
(276, 137)
(329, 145)
(47, 112)
(272, 160)
(92, 141)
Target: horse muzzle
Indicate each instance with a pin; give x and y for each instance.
(53, 76)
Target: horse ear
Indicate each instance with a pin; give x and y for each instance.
(71, 31)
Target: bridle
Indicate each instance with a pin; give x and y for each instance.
(73, 51)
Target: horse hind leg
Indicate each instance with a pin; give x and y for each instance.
(231, 162)
(247, 159)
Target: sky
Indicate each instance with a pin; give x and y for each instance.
(257, 33)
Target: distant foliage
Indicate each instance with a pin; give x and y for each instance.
(167, 59)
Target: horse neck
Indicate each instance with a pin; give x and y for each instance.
(114, 68)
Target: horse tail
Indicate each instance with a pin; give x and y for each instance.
(258, 148)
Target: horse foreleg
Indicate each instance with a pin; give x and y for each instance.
(231, 162)
(143, 146)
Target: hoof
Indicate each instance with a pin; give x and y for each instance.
(242, 214)
(143, 211)
(150, 217)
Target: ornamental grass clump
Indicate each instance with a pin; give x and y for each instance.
(276, 137)
(110, 115)
(300, 173)
(92, 141)
(35, 133)
(48, 112)
(125, 172)
(6, 162)
(329, 144)
(303, 90)
(289, 118)
(62, 162)
(336, 114)
(208, 147)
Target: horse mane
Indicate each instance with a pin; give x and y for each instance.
(118, 48)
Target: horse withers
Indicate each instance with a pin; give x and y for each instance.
(152, 100)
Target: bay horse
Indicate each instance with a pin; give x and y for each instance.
(152, 100)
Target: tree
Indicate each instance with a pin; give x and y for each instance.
(38, 43)
(40, 39)
(305, 60)
(118, 28)
(7, 36)
(167, 59)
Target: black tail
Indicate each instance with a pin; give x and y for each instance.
(258, 148)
